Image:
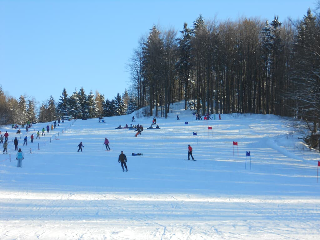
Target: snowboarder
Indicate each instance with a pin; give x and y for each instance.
(106, 142)
(19, 157)
(123, 159)
(190, 152)
(5, 147)
(25, 141)
(80, 146)
(15, 142)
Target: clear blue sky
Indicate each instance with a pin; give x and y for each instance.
(48, 45)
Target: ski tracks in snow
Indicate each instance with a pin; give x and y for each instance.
(154, 216)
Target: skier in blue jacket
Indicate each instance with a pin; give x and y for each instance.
(19, 157)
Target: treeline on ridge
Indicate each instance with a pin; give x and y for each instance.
(244, 66)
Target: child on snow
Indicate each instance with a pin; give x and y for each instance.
(5, 147)
(106, 142)
(80, 146)
(19, 157)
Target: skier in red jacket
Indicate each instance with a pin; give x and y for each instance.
(190, 152)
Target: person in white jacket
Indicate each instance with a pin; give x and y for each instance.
(19, 157)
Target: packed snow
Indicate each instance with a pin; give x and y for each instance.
(60, 193)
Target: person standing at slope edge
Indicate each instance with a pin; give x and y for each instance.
(190, 152)
(15, 142)
(123, 159)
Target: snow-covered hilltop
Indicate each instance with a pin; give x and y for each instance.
(60, 193)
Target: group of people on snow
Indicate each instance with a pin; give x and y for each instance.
(122, 157)
(4, 140)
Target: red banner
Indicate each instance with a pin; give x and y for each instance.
(235, 143)
(210, 128)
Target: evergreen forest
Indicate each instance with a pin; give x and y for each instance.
(243, 66)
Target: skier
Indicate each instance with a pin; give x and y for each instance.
(31, 138)
(19, 157)
(123, 159)
(1, 139)
(15, 142)
(48, 128)
(25, 141)
(38, 135)
(190, 152)
(80, 146)
(106, 142)
(5, 147)
(42, 131)
(6, 135)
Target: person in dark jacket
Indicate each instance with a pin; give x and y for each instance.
(15, 142)
(80, 146)
(123, 160)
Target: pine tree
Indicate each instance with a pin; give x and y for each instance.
(132, 105)
(119, 105)
(22, 106)
(184, 63)
(100, 104)
(31, 114)
(83, 101)
(75, 107)
(110, 108)
(92, 106)
(63, 105)
(305, 72)
(153, 66)
(52, 111)
(4, 113)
